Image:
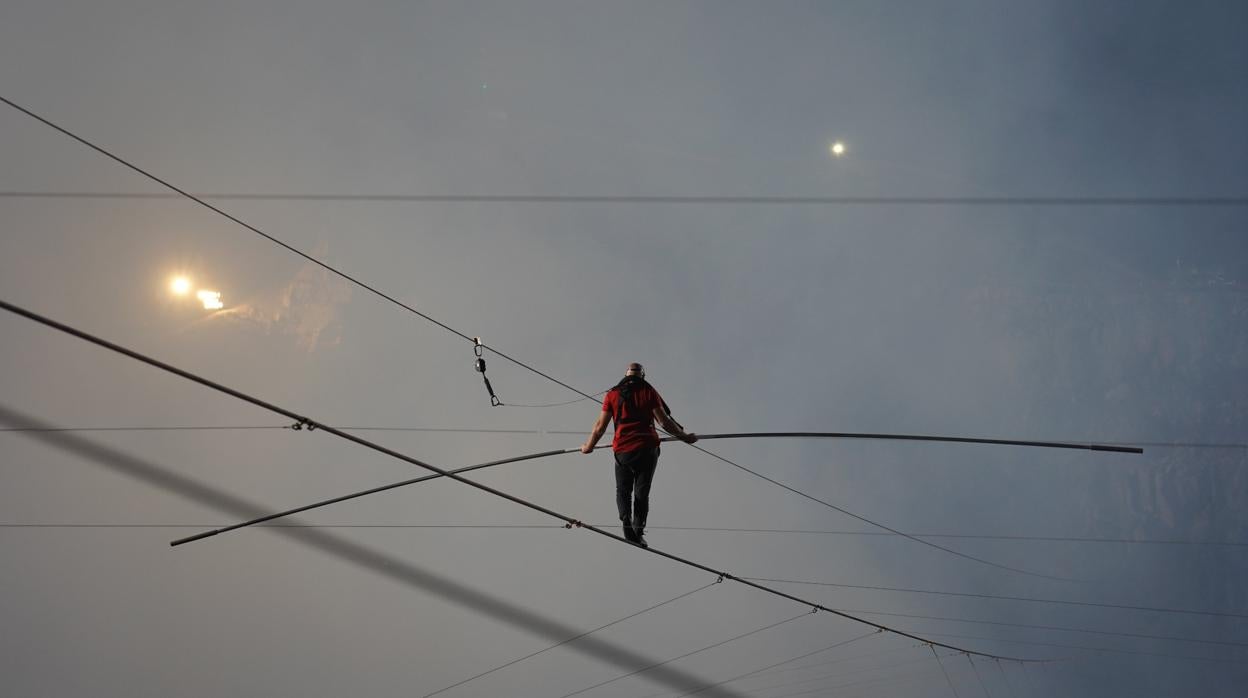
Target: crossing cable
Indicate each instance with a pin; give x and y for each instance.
(571, 639)
(1062, 201)
(790, 660)
(568, 521)
(478, 346)
(182, 192)
(1155, 609)
(687, 654)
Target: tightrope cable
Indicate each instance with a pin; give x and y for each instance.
(312, 425)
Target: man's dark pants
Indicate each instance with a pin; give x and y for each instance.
(634, 471)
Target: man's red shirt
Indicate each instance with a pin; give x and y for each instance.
(634, 417)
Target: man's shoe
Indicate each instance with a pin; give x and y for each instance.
(630, 535)
(639, 538)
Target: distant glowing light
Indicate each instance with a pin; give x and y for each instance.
(210, 299)
(180, 285)
(837, 149)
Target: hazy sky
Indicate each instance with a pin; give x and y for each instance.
(1122, 323)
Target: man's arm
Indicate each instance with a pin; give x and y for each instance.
(600, 428)
(671, 427)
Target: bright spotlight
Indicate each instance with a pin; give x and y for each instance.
(210, 299)
(838, 149)
(180, 285)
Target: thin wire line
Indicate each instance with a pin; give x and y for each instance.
(595, 396)
(697, 529)
(278, 242)
(777, 664)
(1225, 643)
(900, 679)
(310, 424)
(1008, 685)
(1147, 444)
(1089, 649)
(978, 677)
(1065, 201)
(839, 675)
(864, 519)
(687, 654)
(1156, 609)
(571, 639)
(784, 672)
(942, 670)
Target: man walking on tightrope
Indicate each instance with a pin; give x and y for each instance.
(634, 405)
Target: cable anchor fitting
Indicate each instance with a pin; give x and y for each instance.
(573, 522)
(720, 580)
(304, 423)
(479, 365)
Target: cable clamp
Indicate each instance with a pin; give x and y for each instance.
(303, 423)
(477, 346)
(573, 522)
(720, 580)
(814, 609)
